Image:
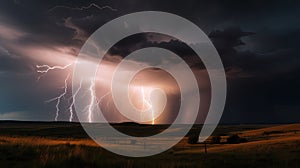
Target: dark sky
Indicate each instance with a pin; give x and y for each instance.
(258, 42)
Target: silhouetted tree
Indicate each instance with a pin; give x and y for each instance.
(233, 139)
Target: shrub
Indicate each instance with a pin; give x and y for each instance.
(234, 139)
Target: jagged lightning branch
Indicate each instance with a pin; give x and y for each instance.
(43, 69)
(84, 7)
(47, 68)
(73, 102)
(58, 98)
(93, 97)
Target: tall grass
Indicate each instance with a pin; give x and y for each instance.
(71, 155)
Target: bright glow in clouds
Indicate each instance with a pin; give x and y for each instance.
(140, 98)
(139, 93)
(99, 92)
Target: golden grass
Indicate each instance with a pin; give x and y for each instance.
(288, 128)
(274, 138)
(32, 140)
(276, 146)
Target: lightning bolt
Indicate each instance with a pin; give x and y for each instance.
(73, 102)
(148, 103)
(58, 98)
(93, 98)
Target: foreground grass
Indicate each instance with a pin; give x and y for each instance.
(268, 147)
(90, 156)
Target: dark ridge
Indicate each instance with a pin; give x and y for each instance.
(127, 124)
(138, 124)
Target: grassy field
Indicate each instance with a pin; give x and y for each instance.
(27, 144)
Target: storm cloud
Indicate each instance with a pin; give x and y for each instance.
(257, 42)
